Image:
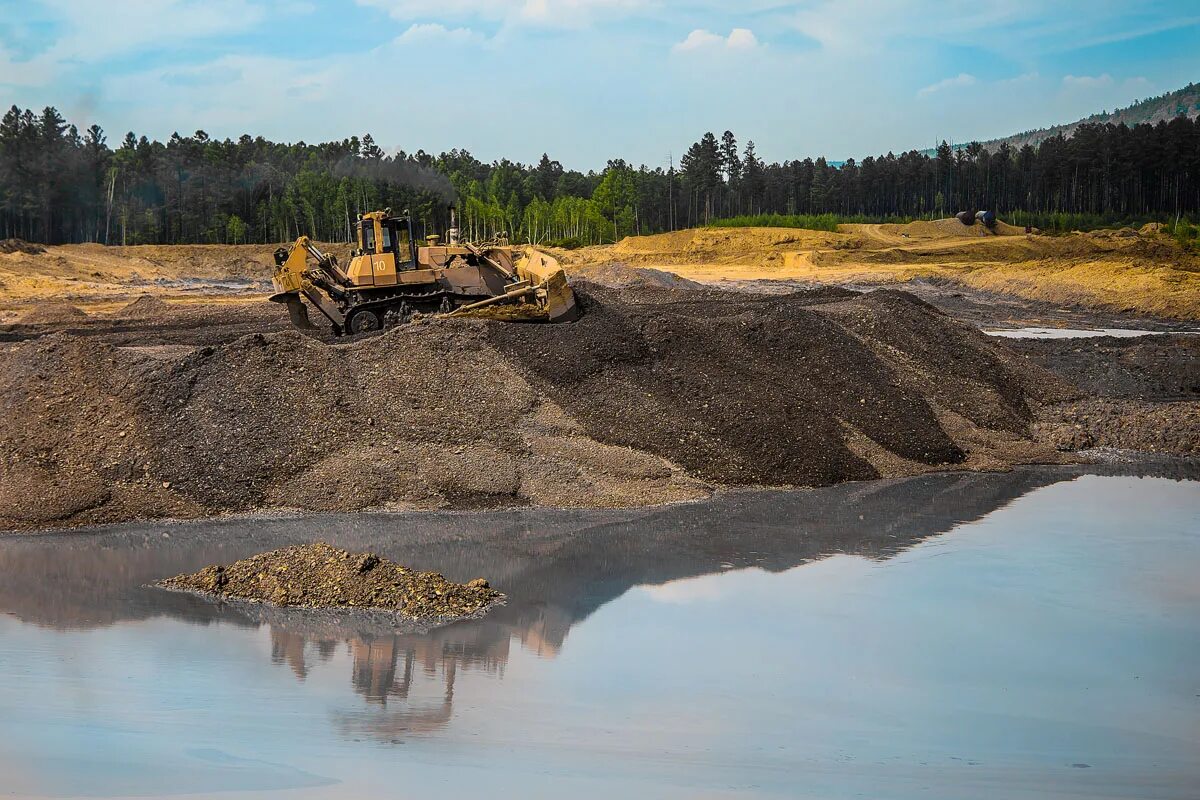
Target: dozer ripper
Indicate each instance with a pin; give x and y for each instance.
(390, 278)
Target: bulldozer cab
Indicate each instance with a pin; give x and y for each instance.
(379, 234)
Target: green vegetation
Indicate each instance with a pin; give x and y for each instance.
(1181, 102)
(60, 185)
(1187, 233)
(1063, 222)
(811, 222)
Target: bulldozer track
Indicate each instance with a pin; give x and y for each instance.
(381, 308)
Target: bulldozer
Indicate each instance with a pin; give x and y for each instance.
(391, 278)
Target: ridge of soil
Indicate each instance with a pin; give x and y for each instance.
(53, 313)
(1171, 428)
(616, 275)
(655, 395)
(145, 307)
(322, 576)
(1138, 394)
(742, 389)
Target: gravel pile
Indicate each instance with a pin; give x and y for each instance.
(1134, 368)
(322, 576)
(1149, 427)
(20, 246)
(747, 389)
(145, 307)
(616, 275)
(655, 395)
(1139, 393)
(53, 313)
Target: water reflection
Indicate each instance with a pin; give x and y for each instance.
(376, 677)
(557, 567)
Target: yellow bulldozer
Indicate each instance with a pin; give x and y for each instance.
(390, 278)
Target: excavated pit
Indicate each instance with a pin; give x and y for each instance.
(656, 395)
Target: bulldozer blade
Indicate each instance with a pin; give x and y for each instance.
(297, 311)
(544, 271)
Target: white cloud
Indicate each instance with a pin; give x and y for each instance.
(127, 27)
(852, 25)
(700, 39)
(1025, 77)
(960, 80)
(1087, 81)
(1018, 29)
(741, 39)
(433, 32)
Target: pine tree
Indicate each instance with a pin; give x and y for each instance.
(60, 183)
(370, 150)
(753, 172)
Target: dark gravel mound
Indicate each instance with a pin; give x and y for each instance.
(653, 396)
(1134, 368)
(1144, 426)
(53, 314)
(758, 390)
(322, 576)
(616, 275)
(20, 246)
(146, 307)
(952, 364)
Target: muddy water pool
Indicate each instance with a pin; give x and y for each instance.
(1024, 635)
(1075, 333)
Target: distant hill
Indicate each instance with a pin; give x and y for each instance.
(1182, 102)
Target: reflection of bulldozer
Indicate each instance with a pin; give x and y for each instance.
(408, 669)
(389, 279)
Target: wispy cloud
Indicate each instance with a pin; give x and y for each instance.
(126, 27)
(129, 25)
(958, 81)
(1127, 33)
(1087, 81)
(597, 72)
(548, 13)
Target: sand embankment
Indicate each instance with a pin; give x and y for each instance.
(1124, 271)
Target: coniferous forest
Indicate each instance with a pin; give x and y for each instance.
(59, 185)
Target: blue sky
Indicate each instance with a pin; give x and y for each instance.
(587, 80)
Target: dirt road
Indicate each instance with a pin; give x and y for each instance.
(102, 279)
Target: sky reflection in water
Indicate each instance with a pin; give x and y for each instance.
(974, 635)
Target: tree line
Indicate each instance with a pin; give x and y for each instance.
(59, 185)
